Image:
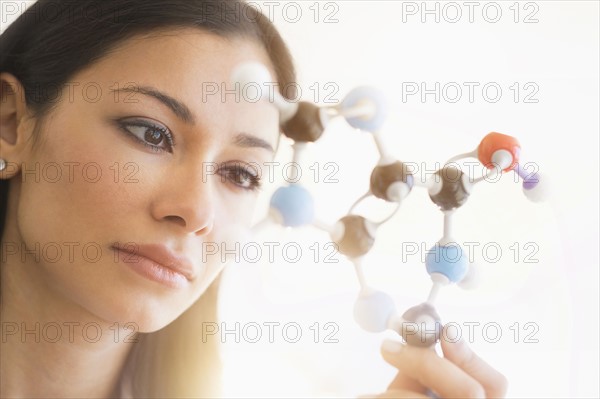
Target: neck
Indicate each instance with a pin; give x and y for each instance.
(52, 347)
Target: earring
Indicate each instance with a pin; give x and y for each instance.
(2, 164)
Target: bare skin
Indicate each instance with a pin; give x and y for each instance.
(172, 200)
(460, 373)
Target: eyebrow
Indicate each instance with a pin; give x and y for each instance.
(184, 113)
(178, 108)
(248, 141)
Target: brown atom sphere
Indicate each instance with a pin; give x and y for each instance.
(305, 125)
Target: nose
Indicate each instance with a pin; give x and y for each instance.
(187, 202)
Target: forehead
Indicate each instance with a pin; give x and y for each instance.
(189, 64)
(202, 54)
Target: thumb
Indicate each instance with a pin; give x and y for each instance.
(403, 381)
(459, 353)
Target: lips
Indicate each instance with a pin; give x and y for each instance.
(161, 255)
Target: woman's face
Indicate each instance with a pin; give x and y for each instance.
(123, 182)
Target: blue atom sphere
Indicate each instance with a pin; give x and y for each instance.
(449, 260)
(295, 205)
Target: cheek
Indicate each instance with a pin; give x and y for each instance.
(75, 191)
(236, 212)
(88, 188)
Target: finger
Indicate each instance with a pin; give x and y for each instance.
(439, 374)
(404, 382)
(397, 393)
(459, 353)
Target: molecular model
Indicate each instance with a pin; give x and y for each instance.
(449, 188)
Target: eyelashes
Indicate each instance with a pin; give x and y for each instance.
(148, 133)
(152, 135)
(240, 175)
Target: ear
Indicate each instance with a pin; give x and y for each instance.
(16, 124)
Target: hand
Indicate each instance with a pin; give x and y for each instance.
(459, 374)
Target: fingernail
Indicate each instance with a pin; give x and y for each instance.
(452, 335)
(459, 345)
(391, 346)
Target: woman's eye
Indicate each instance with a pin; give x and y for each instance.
(152, 136)
(241, 177)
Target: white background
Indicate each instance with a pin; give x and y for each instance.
(378, 43)
(370, 44)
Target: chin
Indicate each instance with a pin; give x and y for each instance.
(138, 308)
